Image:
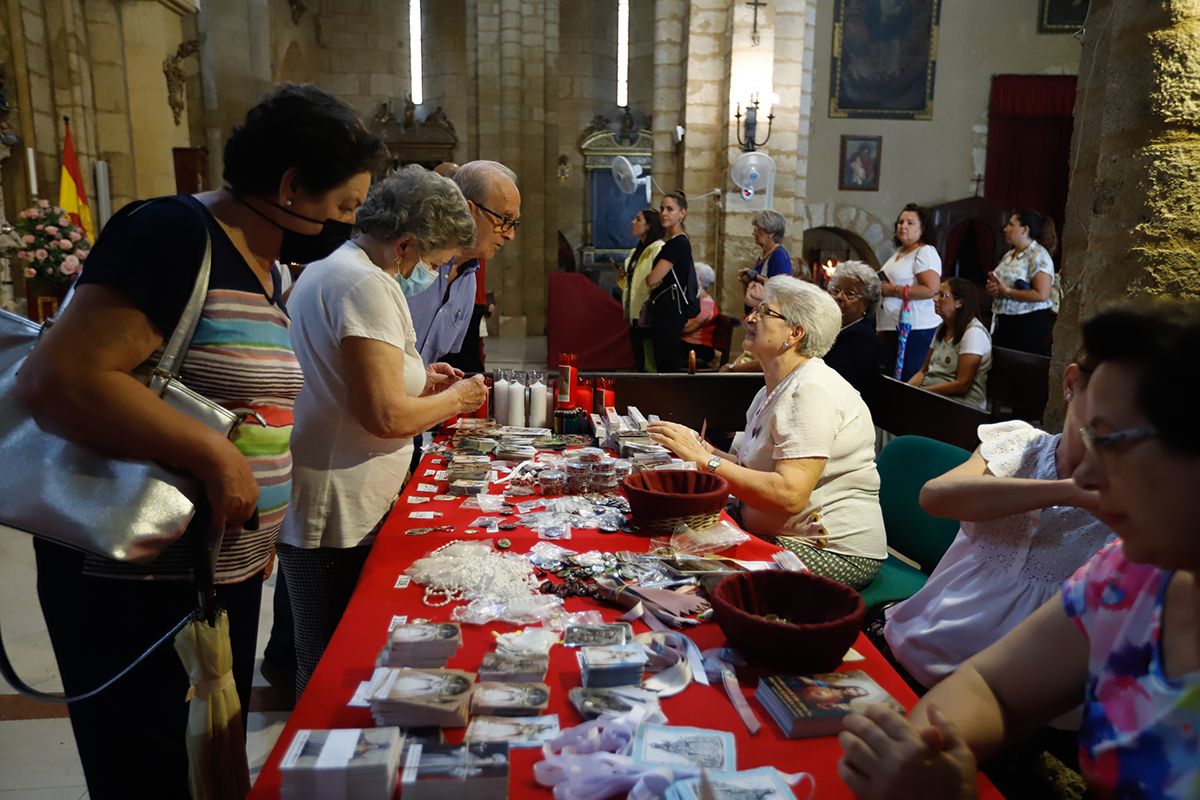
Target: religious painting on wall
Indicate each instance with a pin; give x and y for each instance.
(884, 55)
(858, 166)
(1061, 16)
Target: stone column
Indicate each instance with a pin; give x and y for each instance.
(670, 34)
(1134, 226)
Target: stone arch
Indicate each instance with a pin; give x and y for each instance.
(295, 66)
(874, 232)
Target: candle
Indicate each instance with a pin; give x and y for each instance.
(482, 411)
(538, 403)
(583, 394)
(567, 375)
(32, 161)
(516, 404)
(500, 399)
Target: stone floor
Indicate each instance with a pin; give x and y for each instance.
(38, 758)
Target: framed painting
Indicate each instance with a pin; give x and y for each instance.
(884, 55)
(1061, 16)
(858, 166)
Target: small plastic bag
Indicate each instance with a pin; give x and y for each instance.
(530, 641)
(713, 539)
(488, 503)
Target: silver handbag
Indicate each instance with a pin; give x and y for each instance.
(54, 488)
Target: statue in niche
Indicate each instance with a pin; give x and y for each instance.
(438, 117)
(410, 112)
(599, 123)
(628, 129)
(383, 112)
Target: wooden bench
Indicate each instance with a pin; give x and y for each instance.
(901, 409)
(1018, 385)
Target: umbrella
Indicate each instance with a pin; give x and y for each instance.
(903, 326)
(216, 739)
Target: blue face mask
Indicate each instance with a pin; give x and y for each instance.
(420, 279)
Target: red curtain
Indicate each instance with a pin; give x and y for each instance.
(1029, 142)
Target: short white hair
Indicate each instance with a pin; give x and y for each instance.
(865, 275)
(705, 275)
(476, 178)
(807, 305)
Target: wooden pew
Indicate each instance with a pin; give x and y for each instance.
(901, 410)
(1018, 385)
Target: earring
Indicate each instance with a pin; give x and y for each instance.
(288, 204)
(1070, 394)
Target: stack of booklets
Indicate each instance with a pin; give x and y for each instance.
(600, 635)
(763, 783)
(429, 644)
(617, 665)
(516, 731)
(591, 703)
(514, 669)
(813, 705)
(510, 699)
(414, 698)
(348, 764)
(468, 467)
(471, 771)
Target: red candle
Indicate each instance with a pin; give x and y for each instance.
(567, 374)
(583, 394)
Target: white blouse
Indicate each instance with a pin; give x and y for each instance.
(902, 270)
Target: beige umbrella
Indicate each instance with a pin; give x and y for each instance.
(216, 741)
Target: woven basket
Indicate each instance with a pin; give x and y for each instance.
(660, 500)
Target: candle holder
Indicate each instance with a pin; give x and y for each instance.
(748, 142)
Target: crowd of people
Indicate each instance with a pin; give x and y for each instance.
(1068, 598)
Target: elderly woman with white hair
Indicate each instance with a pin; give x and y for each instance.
(366, 392)
(805, 472)
(855, 287)
(698, 331)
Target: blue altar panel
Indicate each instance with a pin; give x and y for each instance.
(612, 210)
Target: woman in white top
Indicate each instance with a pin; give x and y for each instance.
(913, 272)
(1026, 527)
(366, 392)
(805, 472)
(957, 365)
(1020, 286)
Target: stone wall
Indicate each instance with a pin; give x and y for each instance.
(1133, 224)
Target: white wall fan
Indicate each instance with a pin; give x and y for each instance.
(754, 173)
(629, 177)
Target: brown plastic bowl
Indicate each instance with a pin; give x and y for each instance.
(660, 499)
(824, 619)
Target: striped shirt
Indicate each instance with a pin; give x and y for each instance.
(240, 358)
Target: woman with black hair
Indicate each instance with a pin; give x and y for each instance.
(1020, 287)
(910, 277)
(631, 277)
(957, 365)
(296, 171)
(668, 282)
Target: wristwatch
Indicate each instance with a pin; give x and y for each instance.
(713, 463)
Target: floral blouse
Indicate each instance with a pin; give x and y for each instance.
(1022, 267)
(1140, 735)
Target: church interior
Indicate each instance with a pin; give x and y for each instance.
(833, 113)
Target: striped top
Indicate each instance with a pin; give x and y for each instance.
(240, 358)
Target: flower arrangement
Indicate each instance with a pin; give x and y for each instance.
(53, 248)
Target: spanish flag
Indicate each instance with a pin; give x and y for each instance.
(72, 196)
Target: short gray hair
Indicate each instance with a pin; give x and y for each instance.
(805, 304)
(475, 178)
(771, 222)
(865, 275)
(412, 201)
(705, 275)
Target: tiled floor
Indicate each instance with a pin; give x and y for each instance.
(38, 759)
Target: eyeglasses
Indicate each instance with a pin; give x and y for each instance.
(1115, 442)
(834, 291)
(763, 311)
(944, 295)
(504, 223)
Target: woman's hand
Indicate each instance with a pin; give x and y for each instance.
(471, 393)
(440, 376)
(995, 288)
(680, 440)
(885, 756)
(229, 484)
(1075, 495)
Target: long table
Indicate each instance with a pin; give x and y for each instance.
(350, 657)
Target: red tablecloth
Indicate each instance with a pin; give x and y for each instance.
(351, 655)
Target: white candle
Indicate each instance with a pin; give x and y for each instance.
(537, 404)
(516, 404)
(32, 161)
(500, 399)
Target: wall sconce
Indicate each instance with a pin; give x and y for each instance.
(748, 142)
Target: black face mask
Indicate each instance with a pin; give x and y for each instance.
(305, 248)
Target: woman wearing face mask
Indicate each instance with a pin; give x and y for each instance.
(366, 392)
(296, 171)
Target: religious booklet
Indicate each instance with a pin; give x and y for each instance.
(414, 698)
(763, 783)
(509, 699)
(616, 665)
(514, 669)
(591, 703)
(517, 731)
(471, 771)
(429, 644)
(348, 764)
(814, 705)
(598, 635)
(673, 745)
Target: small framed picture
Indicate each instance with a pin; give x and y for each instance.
(858, 166)
(1061, 16)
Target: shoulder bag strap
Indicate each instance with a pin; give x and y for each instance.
(172, 358)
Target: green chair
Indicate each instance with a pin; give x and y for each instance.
(905, 464)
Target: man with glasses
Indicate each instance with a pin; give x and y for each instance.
(443, 314)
